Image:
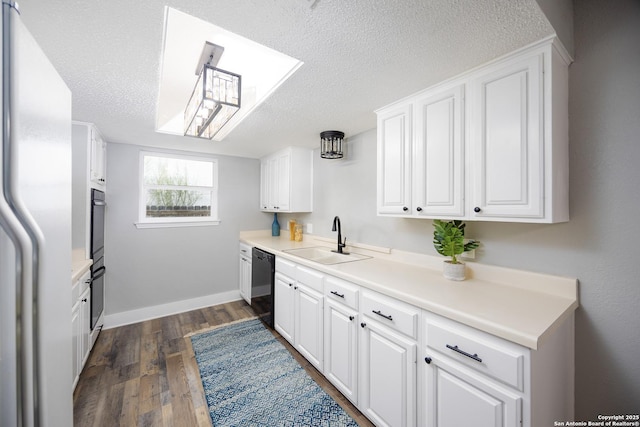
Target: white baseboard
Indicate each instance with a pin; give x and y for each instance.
(153, 312)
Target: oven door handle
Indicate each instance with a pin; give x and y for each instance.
(98, 273)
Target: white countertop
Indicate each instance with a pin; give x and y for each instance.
(79, 264)
(519, 306)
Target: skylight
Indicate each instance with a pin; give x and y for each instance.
(262, 69)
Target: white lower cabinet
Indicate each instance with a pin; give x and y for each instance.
(244, 273)
(299, 309)
(75, 343)
(495, 382)
(308, 324)
(456, 397)
(341, 336)
(80, 327)
(284, 306)
(366, 344)
(387, 376)
(388, 351)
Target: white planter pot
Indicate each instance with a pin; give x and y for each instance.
(453, 271)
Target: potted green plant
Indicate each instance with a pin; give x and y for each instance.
(448, 239)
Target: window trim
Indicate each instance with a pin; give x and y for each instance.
(169, 222)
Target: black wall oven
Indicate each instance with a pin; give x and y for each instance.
(98, 206)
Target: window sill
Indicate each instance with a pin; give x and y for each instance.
(176, 224)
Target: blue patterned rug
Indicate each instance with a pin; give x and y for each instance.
(251, 379)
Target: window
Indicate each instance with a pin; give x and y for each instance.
(177, 190)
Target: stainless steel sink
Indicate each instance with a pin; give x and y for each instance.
(324, 255)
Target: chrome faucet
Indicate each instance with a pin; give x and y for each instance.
(341, 243)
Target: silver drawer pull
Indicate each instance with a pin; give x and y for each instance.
(379, 313)
(464, 353)
(337, 294)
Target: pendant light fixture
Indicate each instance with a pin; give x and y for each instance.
(215, 98)
(331, 144)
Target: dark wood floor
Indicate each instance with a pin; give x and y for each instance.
(145, 374)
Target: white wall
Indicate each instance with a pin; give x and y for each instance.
(152, 267)
(598, 245)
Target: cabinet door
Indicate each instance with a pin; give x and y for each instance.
(456, 398)
(341, 348)
(284, 306)
(286, 181)
(394, 161)
(308, 325)
(85, 327)
(75, 343)
(387, 376)
(98, 158)
(265, 185)
(438, 154)
(283, 181)
(273, 183)
(507, 141)
(278, 172)
(245, 278)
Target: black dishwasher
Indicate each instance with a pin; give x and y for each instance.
(263, 268)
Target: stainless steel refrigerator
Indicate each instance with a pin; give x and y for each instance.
(35, 234)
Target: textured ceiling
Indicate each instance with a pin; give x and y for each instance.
(358, 56)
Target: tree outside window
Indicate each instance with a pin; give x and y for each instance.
(178, 188)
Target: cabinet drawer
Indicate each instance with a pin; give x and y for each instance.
(309, 277)
(81, 285)
(478, 350)
(286, 267)
(85, 282)
(75, 292)
(245, 250)
(341, 291)
(392, 313)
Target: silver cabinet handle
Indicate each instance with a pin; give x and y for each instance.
(464, 353)
(379, 313)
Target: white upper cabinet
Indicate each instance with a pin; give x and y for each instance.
(88, 171)
(490, 145)
(286, 181)
(265, 184)
(98, 164)
(519, 138)
(507, 140)
(438, 154)
(394, 157)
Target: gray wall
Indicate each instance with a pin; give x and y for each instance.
(559, 13)
(598, 245)
(148, 267)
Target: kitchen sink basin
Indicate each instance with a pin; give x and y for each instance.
(325, 255)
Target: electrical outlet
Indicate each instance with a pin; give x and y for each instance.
(309, 228)
(468, 254)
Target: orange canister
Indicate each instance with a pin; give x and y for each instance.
(292, 229)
